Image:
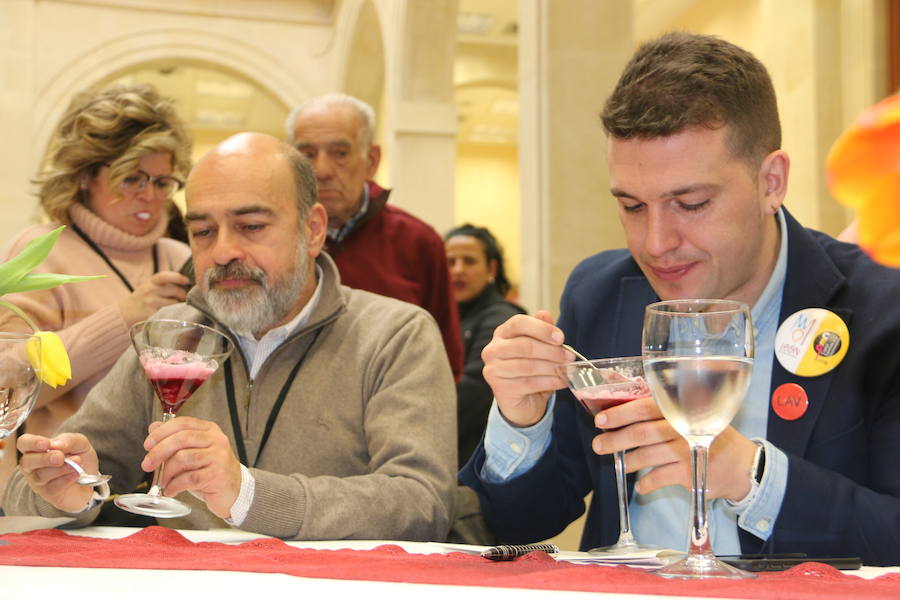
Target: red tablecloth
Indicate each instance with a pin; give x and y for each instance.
(161, 548)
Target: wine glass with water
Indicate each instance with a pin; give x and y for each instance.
(20, 381)
(600, 384)
(698, 358)
(177, 357)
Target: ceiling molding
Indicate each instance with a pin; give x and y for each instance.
(306, 12)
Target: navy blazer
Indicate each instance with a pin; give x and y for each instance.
(843, 487)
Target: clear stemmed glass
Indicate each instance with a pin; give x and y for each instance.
(177, 357)
(698, 358)
(20, 380)
(598, 385)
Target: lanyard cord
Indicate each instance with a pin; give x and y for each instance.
(273, 415)
(106, 259)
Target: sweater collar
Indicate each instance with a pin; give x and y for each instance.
(377, 197)
(336, 234)
(111, 237)
(489, 295)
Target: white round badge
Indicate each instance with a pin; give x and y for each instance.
(812, 342)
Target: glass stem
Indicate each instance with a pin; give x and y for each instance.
(155, 488)
(699, 542)
(625, 535)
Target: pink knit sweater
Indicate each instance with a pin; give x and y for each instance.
(85, 315)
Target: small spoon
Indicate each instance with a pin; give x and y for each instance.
(86, 478)
(576, 353)
(610, 374)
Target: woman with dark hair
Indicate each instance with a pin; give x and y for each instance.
(480, 285)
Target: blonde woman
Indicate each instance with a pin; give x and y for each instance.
(118, 156)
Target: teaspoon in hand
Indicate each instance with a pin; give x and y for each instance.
(86, 478)
(610, 375)
(578, 354)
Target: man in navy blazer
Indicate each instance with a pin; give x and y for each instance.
(699, 177)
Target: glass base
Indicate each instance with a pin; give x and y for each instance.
(701, 566)
(623, 546)
(161, 507)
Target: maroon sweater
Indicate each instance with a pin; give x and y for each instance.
(392, 253)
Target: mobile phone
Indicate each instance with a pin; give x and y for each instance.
(187, 269)
(780, 562)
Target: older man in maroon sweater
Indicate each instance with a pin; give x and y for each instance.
(377, 247)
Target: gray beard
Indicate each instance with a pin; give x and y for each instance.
(255, 309)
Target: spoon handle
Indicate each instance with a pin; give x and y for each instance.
(576, 353)
(86, 478)
(74, 465)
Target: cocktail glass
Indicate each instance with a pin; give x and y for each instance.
(598, 385)
(177, 357)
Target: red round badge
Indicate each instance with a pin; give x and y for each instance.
(789, 401)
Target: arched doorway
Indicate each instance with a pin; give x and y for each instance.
(215, 102)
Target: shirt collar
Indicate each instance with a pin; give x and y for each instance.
(337, 234)
(769, 302)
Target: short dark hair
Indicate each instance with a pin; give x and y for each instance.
(682, 80)
(492, 251)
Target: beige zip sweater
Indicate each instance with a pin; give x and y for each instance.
(364, 446)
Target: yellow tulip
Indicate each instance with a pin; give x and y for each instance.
(15, 276)
(51, 360)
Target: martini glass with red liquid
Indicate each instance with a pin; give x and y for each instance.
(177, 357)
(598, 385)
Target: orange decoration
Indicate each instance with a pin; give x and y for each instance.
(863, 169)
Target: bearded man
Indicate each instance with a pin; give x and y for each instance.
(334, 417)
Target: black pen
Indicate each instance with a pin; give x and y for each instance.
(511, 551)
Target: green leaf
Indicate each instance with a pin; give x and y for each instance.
(43, 281)
(30, 257)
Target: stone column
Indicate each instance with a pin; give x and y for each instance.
(17, 98)
(570, 56)
(419, 113)
(864, 62)
(826, 61)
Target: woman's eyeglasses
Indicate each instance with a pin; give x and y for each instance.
(162, 184)
(137, 181)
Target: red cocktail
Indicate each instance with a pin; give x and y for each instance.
(598, 398)
(177, 357)
(599, 385)
(176, 376)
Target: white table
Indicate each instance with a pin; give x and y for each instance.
(89, 584)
